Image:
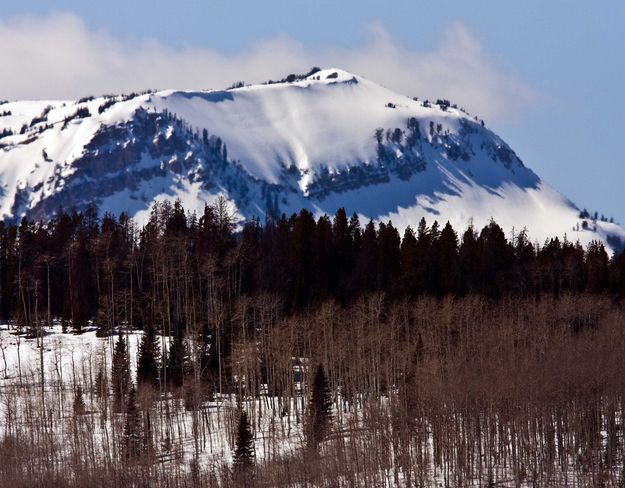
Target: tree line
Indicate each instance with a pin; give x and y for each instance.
(79, 268)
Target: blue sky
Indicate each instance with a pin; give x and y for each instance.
(556, 69)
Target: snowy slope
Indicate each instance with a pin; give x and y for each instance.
(320, 142)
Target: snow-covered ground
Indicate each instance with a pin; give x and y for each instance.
(184, 440)
(181, 436)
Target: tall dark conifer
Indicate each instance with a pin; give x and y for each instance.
(446, 258)
(408, 278)
(244, 452)
(120, 374)
(301, 252)
(80, 282)
(597, 264)
(367, 260)
(389, 257)
(177, 366)
(133, 436)
(148, 359)
(424, 244)
(319, 411)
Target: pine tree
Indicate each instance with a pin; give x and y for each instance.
(597, 265)
(367, 262)
(100, 381)
(319, 411)
(408, 269)
(342, 246)
(244, 453)
(102, 319)
(389, 258)
(447, 261)
(177, 366)
(80, 282)
(133, 441)
(468, 261)
(423, 255)
(301, 250)
(79, 402)
(148, 361)
(120, 374)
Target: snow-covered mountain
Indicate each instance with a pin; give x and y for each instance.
(321, 141)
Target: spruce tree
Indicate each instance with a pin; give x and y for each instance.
(148, 360)
(447, 261)
(319, 411)
(102, 319)
(120, 374)
(409, 263)
(177, 361)
(80, 282)
(101, 381)
(79, 402)
(133, 441)
(244, 453)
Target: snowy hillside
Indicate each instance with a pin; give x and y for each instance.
(328, 140)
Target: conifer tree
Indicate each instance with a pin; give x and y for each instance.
(133, 441)
(408, 275)
(79, 282)
(103, 318)
(79, 402)
(468, 261)
(319, 411)
(177, 361)
(367, 264)
(244, 453)
(342, 244)
(148, 360)
(446, 260)
(120, 373)
(100, 382)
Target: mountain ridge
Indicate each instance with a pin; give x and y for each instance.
(321, 141)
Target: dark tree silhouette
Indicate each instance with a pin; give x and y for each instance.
(319, 411)
(80, 283)
(82, 269)
(148, 360)
(133, 437)
(120, 374)
(244, 452)
(79, 402)
(177, 366)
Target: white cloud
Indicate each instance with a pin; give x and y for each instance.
(57, 56)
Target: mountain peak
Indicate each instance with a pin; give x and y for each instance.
(333, 75)
(323, 140)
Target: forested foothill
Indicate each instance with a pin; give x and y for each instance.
(304, 351)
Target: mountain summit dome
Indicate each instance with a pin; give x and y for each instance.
(320, 141)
